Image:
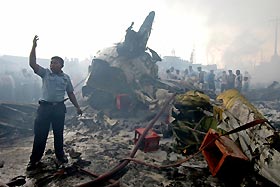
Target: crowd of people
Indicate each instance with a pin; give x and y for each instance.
(215, 81)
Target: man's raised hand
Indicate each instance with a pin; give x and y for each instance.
(35, 41)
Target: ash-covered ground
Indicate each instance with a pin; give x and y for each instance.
(96, 143)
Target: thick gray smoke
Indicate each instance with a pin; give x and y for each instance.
(242, 33)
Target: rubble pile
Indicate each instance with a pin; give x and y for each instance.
(270, 109)
(269, 93)
(16, 121)
(104, 142)
(115, 142)
(98, 143)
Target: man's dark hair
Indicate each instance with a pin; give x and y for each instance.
(61, 61)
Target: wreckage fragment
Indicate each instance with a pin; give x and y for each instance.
(191, 123)
(223, 156)
(135, 42)
(258, 143)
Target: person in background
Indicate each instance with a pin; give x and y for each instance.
(186, 74)
(52, 109)
(238, 80)
(211, 81)
(200, 77)
(178, 76)
(223, 79)
(246, 81)
(231, 79)
(192, 74)
(7, 87)
(168, 74)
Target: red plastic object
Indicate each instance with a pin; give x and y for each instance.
(122, 101)
(150, 142)
(222, 155)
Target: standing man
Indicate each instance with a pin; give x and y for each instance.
(52, 108)
(200, 80)
(238, 80)
(211, 81)
(224, 81)
(231, 79)
(246, 81)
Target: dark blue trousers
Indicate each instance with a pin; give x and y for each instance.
(48, 114)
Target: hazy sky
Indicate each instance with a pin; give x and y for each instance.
(220, 31)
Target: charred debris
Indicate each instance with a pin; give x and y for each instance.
(138, 130)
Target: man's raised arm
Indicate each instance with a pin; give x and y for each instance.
(32, 56)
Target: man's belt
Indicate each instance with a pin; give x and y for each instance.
(43, 102)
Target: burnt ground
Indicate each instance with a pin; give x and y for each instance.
(102, 143)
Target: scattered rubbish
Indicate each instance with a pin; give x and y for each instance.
(2, 162)
(95, 126)
(73, 154)
(17, 181)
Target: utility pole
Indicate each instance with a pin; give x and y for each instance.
(276, 33)
(173, 52)
(275, 56)
(192, 57)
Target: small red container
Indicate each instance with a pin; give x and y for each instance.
(223, 156)
(150, 142)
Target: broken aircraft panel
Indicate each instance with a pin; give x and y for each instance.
(260, 143)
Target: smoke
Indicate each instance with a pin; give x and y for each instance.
(247, 30)
(239, 32)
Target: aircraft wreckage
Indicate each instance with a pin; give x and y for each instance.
(125, 77)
